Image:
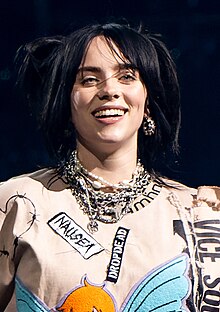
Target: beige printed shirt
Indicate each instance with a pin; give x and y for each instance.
(162, 256)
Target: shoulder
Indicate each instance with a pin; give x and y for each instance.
(46, 179)
(176, 191)
(20, 195)
(203, 202)
(178, 186)
(208, 195)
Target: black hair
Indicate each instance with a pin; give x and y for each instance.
(48, 72)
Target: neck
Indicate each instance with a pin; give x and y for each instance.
(116, 166)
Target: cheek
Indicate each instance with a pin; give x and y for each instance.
(75, 100)
(77, 104)
(80, 104)
(142, 92)
(138, 97)
(143, 98)
(74, 105)
(81, 99)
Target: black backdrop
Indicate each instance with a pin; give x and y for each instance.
(191, 28)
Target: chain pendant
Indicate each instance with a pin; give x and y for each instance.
(92, 226)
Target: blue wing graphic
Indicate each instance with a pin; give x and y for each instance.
(26, 301)
(162, 290)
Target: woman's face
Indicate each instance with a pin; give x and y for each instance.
(107, 99)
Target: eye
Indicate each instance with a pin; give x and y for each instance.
(89, 81)
(127, 77)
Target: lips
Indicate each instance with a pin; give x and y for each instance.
(109, 112)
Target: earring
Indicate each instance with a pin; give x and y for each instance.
(149, 126)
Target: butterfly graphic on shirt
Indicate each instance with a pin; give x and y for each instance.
(166, 288)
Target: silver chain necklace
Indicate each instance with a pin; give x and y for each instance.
(99, 205)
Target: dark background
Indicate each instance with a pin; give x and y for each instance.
(191, 29)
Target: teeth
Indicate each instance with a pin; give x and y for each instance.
(109, 112)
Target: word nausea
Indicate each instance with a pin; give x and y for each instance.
(76, 236)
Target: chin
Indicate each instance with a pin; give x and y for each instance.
(112, 139)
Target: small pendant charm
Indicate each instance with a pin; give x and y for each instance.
(92, 226)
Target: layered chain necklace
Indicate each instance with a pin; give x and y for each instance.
(93, 198)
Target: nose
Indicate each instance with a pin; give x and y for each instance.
(109, 89)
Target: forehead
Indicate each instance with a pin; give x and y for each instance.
(101, 52)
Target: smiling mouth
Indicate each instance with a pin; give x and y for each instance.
(107, 113)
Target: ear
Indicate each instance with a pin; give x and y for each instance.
(146, 109)
(146, 112)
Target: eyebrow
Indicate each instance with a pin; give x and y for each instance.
(95, 69)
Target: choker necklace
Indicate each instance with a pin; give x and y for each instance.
(99, 205)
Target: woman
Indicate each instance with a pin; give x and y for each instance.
(101, 231)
